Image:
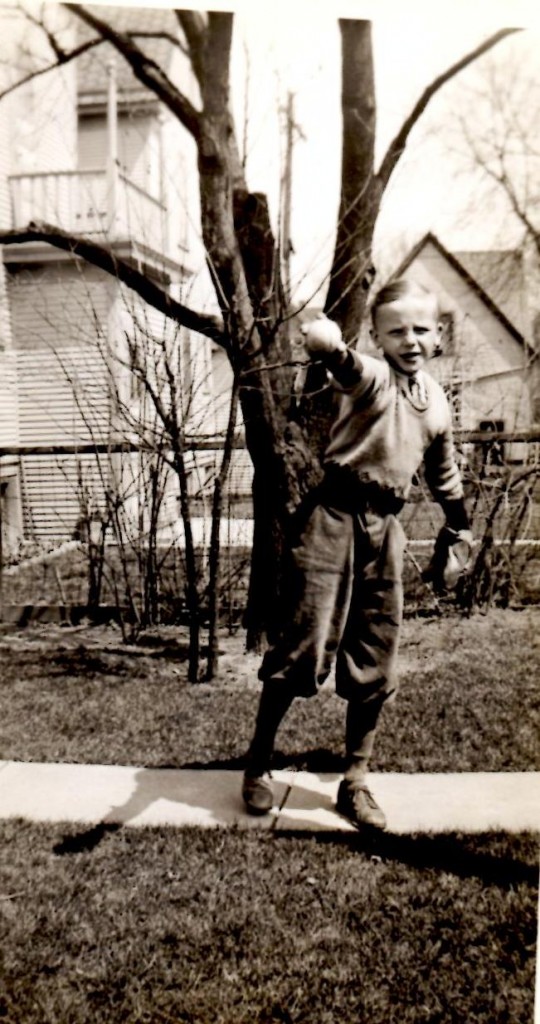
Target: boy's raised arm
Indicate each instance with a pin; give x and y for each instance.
(324, 341)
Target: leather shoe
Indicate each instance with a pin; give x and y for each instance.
(358, 805)
(257, 794)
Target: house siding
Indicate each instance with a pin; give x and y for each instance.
(65, 314)
(55, 491)
(60, 320)
(9, 426)
(9, 414)
(63, 397)
(58, 304)
(63, 400)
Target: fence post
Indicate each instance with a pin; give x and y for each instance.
(1, 553)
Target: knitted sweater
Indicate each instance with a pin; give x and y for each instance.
(384, 428)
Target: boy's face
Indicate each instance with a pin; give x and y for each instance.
(407, 331)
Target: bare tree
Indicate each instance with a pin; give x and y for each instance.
(493, 132)
(241, 250)
(495, 128)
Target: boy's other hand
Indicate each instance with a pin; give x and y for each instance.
(451, 559)
(323, 335)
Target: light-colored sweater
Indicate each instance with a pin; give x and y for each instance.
(384, 430)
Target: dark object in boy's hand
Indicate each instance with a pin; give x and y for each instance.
(451, 559)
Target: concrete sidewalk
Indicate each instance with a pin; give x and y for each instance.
(93, 794)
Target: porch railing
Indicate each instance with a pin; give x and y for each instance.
(92, 203)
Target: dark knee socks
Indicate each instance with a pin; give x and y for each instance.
(360, 730)
(274, 703)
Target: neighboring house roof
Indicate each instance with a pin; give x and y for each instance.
(496, 277)
(92, 66)
(501, 276)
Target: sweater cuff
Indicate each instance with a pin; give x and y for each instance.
(337, 359)
(455, 513)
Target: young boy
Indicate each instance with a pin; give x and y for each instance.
(347, 595)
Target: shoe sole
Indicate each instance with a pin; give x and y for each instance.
(257, 812)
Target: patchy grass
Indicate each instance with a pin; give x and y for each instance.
(468, 700)
(210, 926)
(259, 928)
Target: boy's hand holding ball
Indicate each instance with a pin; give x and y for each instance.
(323, 335)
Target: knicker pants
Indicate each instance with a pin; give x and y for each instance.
(345, 603)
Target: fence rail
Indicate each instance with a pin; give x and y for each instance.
(207, 442)
(194, 442)
(503, 501)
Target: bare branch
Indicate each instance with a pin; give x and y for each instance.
(398, 144)
(504, 180)
(51, 38)
(107, 261)
(63, 57)
(144, 68)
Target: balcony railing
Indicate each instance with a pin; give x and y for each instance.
(95, 203)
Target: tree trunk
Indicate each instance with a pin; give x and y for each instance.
(214, 557)
(359, 205)
(352, 269)
(240, 245)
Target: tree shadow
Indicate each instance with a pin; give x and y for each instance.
(84, 842)
(319, 760)
(461, 854)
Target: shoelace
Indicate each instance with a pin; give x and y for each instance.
(368, 795)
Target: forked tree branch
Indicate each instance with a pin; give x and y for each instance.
(62, 57)
(398, 144)
(144, 68)
(106, 260)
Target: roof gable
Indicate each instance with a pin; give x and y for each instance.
(496, 277)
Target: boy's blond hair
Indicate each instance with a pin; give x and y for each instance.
(398, 290)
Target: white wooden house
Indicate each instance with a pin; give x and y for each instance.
(10, 504)
(89, 150)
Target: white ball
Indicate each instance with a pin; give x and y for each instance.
(322, 333)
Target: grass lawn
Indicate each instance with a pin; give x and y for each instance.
(468, 702)
(227, 927)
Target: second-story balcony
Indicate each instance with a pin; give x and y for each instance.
(101, 204)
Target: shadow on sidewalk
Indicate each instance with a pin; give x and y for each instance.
(223, 806)
(457, 853)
